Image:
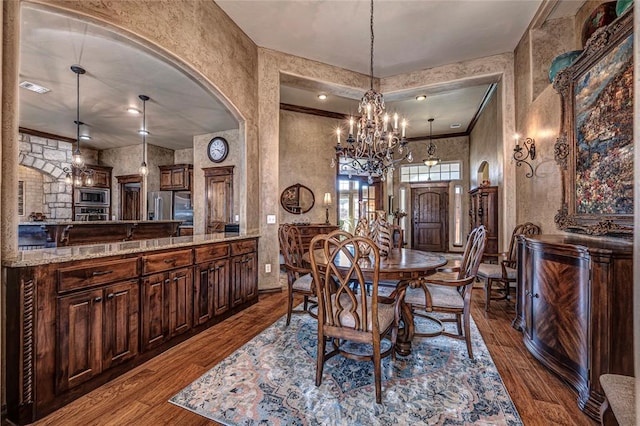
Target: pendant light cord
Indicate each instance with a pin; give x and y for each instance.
(77, 113)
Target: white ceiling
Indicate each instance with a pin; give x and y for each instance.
(117, 71)
(409, 35)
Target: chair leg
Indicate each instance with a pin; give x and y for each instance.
(290, 303)
(320, 358)
(467, 333)
(377, 371)
(487, 293)
(459, 324)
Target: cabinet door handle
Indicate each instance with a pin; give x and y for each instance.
(175, 278)
(167, 281)
(110, 296)
(173, 260)
(535, 295)
(98, 273)
(527, 292)
(98, 299)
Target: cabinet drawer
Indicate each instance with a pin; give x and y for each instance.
(165, 261)
(243, 247)
(211, 252)
(94, 273)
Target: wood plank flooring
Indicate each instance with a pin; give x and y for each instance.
(140, 396)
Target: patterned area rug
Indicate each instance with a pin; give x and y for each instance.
(271, 380)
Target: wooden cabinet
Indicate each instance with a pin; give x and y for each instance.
(218, 197)
(244, 272)
(74, 325)
(307, 232)
(176, 177)
(95, 330)
(130, 197)
(575, 307)
(167, 297)
(483, 210)
(101, 176)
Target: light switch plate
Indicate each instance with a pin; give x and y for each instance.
(271, 219)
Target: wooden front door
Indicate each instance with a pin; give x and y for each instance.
(430, 223)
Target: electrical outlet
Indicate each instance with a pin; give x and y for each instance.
(267, 268)
(271, 219)
(237, 218)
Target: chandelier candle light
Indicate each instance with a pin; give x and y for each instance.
(78, 174)
(371, 151)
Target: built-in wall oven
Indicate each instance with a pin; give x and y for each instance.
(90, 204)
(84, 213)
(92, 196)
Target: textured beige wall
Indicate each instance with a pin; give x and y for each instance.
(236, 158)
(183, 156)
(482, 143)
(306, 148)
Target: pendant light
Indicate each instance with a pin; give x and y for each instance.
(78, 174)
(431, 159)
(144, 170)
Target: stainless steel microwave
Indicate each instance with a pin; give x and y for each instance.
(92, 197)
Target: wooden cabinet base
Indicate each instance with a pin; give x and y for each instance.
(75, 325)
(575, 308)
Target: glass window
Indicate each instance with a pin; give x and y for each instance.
(457, 216)
(353, 194)
(444, 171)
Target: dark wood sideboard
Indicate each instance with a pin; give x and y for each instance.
(575, 308)
(307, 232)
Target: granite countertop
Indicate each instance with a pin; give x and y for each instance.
(90, 251)
(95, 222)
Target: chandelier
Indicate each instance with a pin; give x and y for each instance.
(78, 174)
(431, 159)
(371, 152)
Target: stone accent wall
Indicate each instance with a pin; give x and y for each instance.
(49, 157)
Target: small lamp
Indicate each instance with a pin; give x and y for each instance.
(327, 204)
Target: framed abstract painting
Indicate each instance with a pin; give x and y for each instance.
(595, 147)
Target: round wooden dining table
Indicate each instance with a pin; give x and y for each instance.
(399, 265)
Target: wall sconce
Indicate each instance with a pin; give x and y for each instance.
(522, 152)
(327, 203)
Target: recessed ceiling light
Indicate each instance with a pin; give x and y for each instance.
(421, 97)
(34, 87)
(455, 125)
(322, 96)
(85, 137)
(133, 110)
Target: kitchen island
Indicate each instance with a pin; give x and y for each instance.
(79, 316)
(69, 233)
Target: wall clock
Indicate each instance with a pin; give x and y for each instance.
(218, 149)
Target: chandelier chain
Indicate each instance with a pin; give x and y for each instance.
(371, 56)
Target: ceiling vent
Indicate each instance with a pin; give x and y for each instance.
(34, 87)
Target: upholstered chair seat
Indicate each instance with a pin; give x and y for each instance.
(441, 297)
(304, 283)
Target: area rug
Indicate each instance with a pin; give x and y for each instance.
(271, 381)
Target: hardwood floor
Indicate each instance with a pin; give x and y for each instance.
(140, 396)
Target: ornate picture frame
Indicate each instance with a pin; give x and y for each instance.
(595, 146)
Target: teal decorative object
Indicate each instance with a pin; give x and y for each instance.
(562, 61)
(622, 5)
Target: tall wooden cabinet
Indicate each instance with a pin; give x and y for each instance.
(483, 210)
(218, 198)
(575, 307)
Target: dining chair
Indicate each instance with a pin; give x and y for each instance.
(505, 272)
(355, 324)
(445, 295)
(299, 277)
